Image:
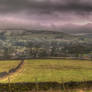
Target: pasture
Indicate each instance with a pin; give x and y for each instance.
(51, 70)
(48, 74)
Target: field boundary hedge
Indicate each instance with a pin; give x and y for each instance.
(11, 72)
(72, 58)
(26, 87)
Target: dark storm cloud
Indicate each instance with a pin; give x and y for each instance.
(45, 5)
(46, 13)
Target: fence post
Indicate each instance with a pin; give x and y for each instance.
(9, 84)
(37, 85)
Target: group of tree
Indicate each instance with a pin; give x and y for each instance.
(45, 50)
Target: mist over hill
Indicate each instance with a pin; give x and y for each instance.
(68, 28)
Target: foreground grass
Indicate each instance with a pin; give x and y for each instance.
(54, 70)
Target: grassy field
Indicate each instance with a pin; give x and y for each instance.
(51, 70)
(6, 65)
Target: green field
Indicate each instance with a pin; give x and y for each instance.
(6, 65)
(50, 70)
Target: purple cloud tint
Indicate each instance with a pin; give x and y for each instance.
(45, 13)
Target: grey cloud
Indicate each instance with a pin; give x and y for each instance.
(46, 12)
(45, 6)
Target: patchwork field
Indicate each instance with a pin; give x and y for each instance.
(50, 70)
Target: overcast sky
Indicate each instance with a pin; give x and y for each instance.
(45, 13)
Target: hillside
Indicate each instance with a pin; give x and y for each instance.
(34, 43)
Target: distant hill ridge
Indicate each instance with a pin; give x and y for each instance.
(68, 28)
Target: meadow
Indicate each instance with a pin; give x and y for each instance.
(50, 71)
